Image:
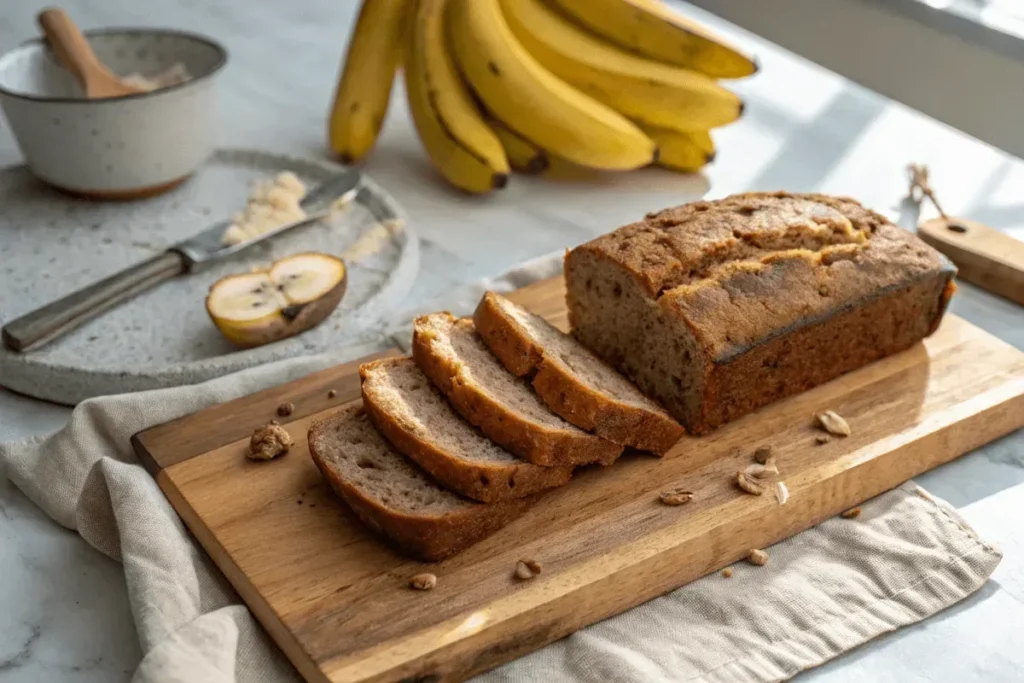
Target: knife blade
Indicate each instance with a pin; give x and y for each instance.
(59, 317)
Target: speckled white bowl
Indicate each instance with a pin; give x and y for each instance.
(122, 147)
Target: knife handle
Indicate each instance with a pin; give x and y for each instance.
(53, 320)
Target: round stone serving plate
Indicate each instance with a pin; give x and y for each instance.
(51, 245)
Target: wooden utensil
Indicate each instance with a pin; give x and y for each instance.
(72, 48)
(337, 601)
(984, 256)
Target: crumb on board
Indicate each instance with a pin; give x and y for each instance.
(268, 442)
(727, 572)
(851, 513)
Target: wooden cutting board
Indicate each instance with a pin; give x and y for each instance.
(337, 601)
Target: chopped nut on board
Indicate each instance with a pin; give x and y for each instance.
(675, 497)
(749, 484)
(527, 569)
(781, 492)
(760, 471)
(423, 582)
(268, 442)
(762, 454)
(833, 423)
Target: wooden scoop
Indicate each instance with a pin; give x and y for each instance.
(984, 256)
(73, 50)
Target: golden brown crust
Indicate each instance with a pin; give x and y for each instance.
(749, 285)
(426, 537)
(529, 440)
(565, 392)
(484, 481)
(515, 350)
(740, 269)
(685, 243)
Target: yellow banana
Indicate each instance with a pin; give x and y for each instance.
(534, 103)
(686, 152)
(651, 29)
(523, 155)
(364, 89)
(646, 91)
(457, 138)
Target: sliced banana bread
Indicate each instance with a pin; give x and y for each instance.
(717, 308)
(406, 408)
(571, 380)
(394, 497)
(452, 355)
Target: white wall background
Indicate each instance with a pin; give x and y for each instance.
(971, 85)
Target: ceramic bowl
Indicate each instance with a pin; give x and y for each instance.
(122, 147)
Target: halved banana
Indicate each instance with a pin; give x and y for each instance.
(291, 296)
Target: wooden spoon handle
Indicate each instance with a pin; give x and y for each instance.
(69, 44)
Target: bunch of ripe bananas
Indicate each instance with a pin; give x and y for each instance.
(501, 85)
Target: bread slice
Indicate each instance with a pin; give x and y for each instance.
(503, 406)
(571, 380)
(406, 408)
(394, 497)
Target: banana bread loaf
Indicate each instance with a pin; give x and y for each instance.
(717, 308)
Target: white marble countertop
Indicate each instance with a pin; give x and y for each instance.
(63, 608)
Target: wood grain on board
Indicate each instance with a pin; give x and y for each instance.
(337, 600)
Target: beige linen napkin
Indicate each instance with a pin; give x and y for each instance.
(823, 592)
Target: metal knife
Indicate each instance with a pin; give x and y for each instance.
(53, 320)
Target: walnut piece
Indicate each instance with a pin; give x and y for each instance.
(749, 484)
(757, 556)
(833, 423)
(423, 582)
(675, 497)
(527, 569)
(781, 492)
(268, 442)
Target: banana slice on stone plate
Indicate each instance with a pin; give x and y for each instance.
(291, 296)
